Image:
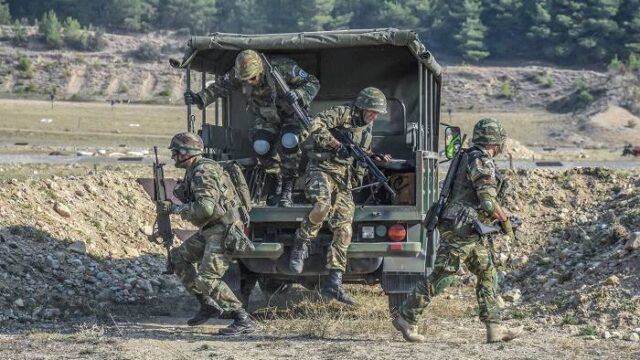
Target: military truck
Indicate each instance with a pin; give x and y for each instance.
(390, 245)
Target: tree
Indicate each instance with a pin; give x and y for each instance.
(628, 20)
(505, 29)
(74, 35)
(50, 29)
(5, 15)
(197, 15)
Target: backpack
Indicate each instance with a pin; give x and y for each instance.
(234, 171)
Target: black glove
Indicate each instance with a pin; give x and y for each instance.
(291, 97)
(342, 151)
(191, 98)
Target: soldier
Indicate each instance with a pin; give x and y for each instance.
(330, 177)
(474, 196)
(211, 203)
(277, 131)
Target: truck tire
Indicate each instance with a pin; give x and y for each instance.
(271, 287)
(395, 300)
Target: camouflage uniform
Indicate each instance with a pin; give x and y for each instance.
(329, 182)
(272, 112)
(474, 196)
(210, 203)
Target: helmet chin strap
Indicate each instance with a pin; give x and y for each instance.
(180, 162)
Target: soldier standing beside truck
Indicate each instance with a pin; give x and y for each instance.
(210, 202)
(474, 198)
(331, 174)
(277, 132)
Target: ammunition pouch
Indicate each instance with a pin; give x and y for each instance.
(236, 241)
(462, 218)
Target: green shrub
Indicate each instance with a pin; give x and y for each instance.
(123, 88)
(588, 331)
(164, 93)
(5, 15)
(146, 52)
(74, 35)
(50, 29)
(505, 90)
(615, 64)
(97, 41)
(20, 33)
(634, 62)
(24, 63)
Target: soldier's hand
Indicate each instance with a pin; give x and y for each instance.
(291, 97)
(165, 207)
(382, 157)
(342, 151)
(191, 98)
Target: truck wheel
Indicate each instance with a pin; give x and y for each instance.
(271, 287)
(395, 300)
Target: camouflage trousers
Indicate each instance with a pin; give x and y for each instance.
(454, 254)
(333, 203)
(280, 160)
(205, 248)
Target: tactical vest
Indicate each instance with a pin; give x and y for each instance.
(463, 206)
(228, 208)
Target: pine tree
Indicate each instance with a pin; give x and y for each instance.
(5, 15)
(628, 21)
(50, 29)
(470, 36)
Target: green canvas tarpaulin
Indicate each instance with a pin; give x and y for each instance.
(198, 46)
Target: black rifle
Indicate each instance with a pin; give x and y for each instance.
(360, 155)
(163, 234)
(431, 220)
(302, 115)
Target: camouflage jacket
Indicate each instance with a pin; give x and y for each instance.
(209, 194)
(475, 188)
(266, 99)
(346, 172)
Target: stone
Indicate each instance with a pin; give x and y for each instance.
(634, 242)
(50, 313)
(19, 302)
(520, 260)
(606, 335)
(634, 337)
(62, 210)
(512, 295)
(78, 247)
(131, 251)
(612, 281)
(90, 189)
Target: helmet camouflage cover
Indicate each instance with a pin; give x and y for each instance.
(248, 65)
(489, 131)
(372, 99)
(189, 143)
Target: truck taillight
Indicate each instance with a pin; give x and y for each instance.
(397, 232)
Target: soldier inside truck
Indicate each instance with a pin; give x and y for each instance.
(342, 73)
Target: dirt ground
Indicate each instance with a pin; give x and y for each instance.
(451, 327)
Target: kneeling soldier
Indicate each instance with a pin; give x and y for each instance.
(211, 203)
(330, 178)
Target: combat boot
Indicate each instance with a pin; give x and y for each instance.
(333, 288)
(497, 332)
(409, 332)
(299, 253)
(276, 189)
(287, 189)
(242, 324)
(208, 309)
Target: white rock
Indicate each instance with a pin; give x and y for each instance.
(634, 242)
(512, 295)
(101, 151)
(84, 153)
(19, 302)
(62, 210)
(633, 337)
(606, 335)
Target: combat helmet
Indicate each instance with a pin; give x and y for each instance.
(372, 99)
(248, 65)
(187, 143)
(489, 131)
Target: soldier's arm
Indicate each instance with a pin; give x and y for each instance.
(360, 168)
(207, 196)
(306, 85)
(221, 87)
(322, 123)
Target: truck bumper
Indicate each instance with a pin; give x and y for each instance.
(356, 250)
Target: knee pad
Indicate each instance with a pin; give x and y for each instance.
(319, 212)
(290, 139)
(263, 142)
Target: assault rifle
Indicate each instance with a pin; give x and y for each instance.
(163, 233)
(431, 220)
(300, 113)
(360, 155)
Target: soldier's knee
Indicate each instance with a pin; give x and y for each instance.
(177, 258)
(343, 234)
(206, 285)
(319, 212)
